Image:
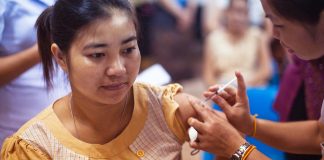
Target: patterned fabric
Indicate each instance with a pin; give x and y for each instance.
(155, 132)
(309, 73)
(38, 135)
(149, 135)
(314, 87)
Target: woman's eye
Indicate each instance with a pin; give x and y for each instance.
(97, 55)
(129, 50)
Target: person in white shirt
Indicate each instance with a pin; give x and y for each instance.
(23, 92)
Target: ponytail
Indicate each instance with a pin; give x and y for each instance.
(44, 40)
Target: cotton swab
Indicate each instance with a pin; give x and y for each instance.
(193, 134)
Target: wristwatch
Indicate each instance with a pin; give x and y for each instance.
(238, 154)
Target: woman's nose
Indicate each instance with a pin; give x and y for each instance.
(116, 68)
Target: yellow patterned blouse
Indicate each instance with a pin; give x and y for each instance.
(153, 132)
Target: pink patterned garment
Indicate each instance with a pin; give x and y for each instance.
(309, 73)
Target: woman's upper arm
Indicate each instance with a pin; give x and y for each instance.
(185, 109)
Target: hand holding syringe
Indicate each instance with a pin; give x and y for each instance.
(193, 134)
(219, 90)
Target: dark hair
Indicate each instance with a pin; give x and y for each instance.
(62, 22)
(302, 11)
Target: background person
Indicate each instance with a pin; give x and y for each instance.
(23, 93)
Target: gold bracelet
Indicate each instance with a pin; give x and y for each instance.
(254, 124)
(248, 152)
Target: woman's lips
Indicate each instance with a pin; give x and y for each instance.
(115, 86)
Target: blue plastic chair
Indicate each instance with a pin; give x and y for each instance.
(261, 101)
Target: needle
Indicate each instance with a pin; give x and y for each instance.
(219, 90)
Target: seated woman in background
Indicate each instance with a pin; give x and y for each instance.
(237, 46)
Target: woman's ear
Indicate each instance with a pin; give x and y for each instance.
(60, 58)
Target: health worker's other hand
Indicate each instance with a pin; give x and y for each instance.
(235, 104)
(215, 134)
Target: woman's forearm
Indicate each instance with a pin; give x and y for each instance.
(14, 65)
(256, 155)
(295, 137)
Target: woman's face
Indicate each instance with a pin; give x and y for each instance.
(105, 59)
(237, 16)
(302, 40)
